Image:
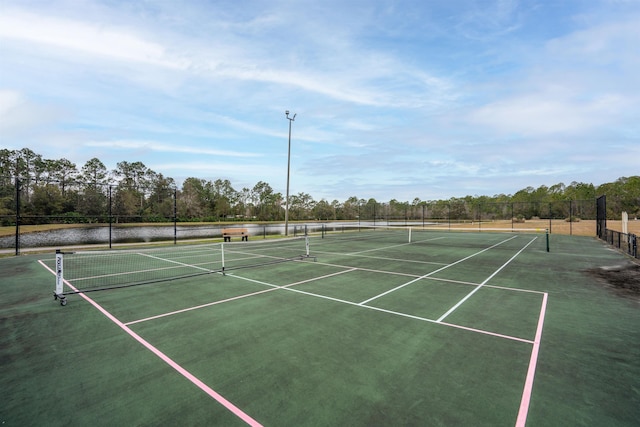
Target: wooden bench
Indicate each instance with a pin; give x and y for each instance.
(228, 232)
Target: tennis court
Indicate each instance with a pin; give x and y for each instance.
(354, 327)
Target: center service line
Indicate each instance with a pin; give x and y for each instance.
(452, 309)
(433, 272)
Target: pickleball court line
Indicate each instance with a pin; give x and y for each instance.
(275, 288)
(388, 247)
(437, 279)
(455, 307)
(182, 371)
(346, 269)
(369, 307)
(379, 257)
(433, 272)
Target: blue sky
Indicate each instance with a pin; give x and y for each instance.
(394, 99)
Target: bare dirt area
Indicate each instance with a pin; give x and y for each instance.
(624, 279)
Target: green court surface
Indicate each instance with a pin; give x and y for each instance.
(367, 329)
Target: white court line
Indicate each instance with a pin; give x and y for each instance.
(380, 257)
(434, 272)
(182, 371)
(372, 270)
(437, 279)
(369, 307)
(197, 307)
(182, 264)
(389, 247)
(452, 309)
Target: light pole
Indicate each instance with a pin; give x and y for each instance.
(286, 211)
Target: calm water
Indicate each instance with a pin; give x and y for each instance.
(100, 235)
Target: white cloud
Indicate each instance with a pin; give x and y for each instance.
(346, 74)
(19, 116)
(584, 81)
(91, 39)
(167, 148)
(604, 42)
(549, 112)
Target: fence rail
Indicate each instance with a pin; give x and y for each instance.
(626, 242)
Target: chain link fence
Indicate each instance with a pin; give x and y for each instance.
(86, 213)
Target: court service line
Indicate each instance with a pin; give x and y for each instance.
(371, 270)
(434, 272)
(182, 371)
(175, 262)
(531, 372)
(381, 258)
(437, 279)
(391, 246)
(452, 309)
(396, 313)
(197, 307)
(184, 310)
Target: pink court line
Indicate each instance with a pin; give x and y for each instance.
(182, 371)
(528, 384)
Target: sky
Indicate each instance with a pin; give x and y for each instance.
(393, 99)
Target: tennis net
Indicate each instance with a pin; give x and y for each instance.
(431, 235)
(88, 271)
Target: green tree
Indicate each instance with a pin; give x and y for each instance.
(47, 200)
(223, 196)
(129, 198)
(160, 203)
(267, 203)
(93, 196)
(94, 173)
(323, 210)
(190, 199)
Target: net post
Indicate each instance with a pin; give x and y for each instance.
(306, 244)
(409, 234)
(547, 236)
(222, 252)
(58, 294)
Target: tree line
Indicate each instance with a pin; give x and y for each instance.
(60, 191)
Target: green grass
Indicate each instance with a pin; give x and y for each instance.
(309, 354)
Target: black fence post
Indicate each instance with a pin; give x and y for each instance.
(110, 217)
(175, 216)
(17, 216)
(570, 217)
